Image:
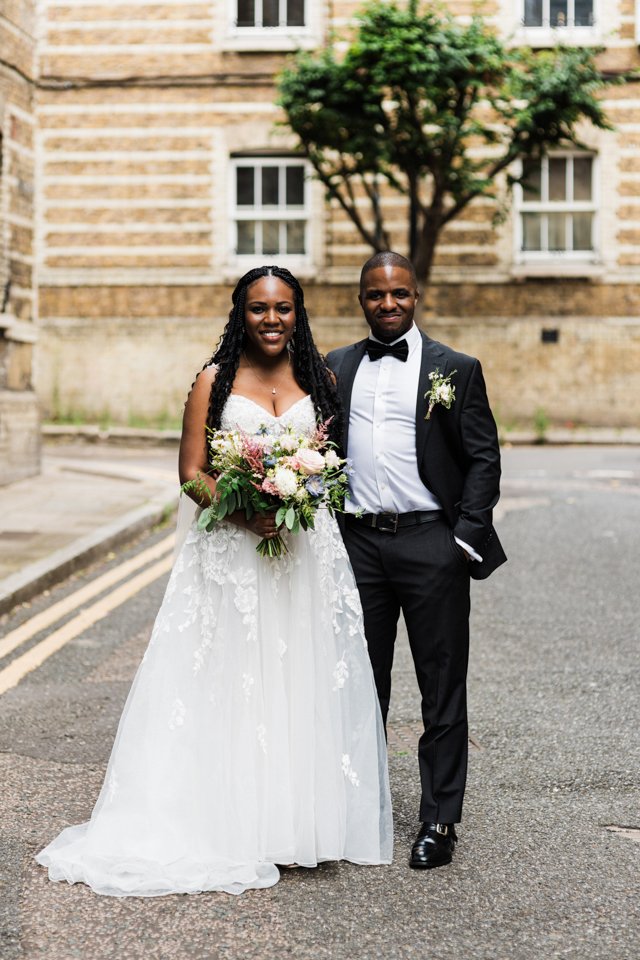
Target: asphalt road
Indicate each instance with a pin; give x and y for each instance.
(554, 765)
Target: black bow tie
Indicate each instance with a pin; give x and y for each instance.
(399, 350)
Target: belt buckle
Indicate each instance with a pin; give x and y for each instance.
(387, 522)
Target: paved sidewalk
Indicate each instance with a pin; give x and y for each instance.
(88, 498)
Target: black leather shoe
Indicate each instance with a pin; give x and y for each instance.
(434, 846)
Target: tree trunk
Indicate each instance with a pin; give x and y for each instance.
(413, 216)
(428, 236)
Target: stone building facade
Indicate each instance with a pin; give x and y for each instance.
(19, 418)
(162, 175)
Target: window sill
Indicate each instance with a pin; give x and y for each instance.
(19, 331)
(558, 268)
(539, 37)
(278, 42)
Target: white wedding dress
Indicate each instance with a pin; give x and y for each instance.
(252, 734)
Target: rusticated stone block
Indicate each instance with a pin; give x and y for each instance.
(19, 436)
(106, 12)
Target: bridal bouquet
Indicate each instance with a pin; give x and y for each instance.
(289, 474)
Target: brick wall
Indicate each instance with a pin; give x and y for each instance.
(19, 418)
(139, 109)
(17, 27)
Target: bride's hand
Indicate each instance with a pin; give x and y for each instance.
(263, 525)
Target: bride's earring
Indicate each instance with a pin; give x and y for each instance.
(291, 345)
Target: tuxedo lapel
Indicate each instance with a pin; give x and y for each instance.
(346, 376)
(432, 357)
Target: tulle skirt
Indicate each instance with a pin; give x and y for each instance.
(252, 734)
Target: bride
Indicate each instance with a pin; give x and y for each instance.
(252, 735)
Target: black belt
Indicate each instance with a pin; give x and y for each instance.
(389, 522)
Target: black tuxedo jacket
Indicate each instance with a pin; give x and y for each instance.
(457, 450)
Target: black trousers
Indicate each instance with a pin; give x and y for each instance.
(422, 571)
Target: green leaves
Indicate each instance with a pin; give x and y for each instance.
(553, 91)
(208, 518)
(290, 518)
(197, 486)
(415, 99)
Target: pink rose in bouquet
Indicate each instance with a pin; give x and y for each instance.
(310, 461)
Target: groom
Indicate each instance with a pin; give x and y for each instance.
(426, 485)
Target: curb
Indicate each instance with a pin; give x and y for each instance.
(42, 574)
(117, 436)
(558, 436)
(602, 436)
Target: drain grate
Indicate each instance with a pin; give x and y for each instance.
(403, 738)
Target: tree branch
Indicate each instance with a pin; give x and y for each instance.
(348, 207)
(374, 198)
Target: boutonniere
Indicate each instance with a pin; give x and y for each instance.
(442, 391)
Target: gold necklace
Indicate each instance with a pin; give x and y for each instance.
(258, 377)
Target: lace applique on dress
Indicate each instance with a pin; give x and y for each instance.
(178, 713)
(349, 772)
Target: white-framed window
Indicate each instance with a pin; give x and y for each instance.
(270, 207)
(549, 22)
(557, 14)
(274, 24)
(270, 14)
(557, 209)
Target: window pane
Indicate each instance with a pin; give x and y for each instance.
(531, 231)
(270, 192)
(558, 10)
(295, 13)
(270, 14)
(295, 186)
(246, 13)
(532, 184)
(582, 231)
(583, 13)
(557, 231)
(295, 236)
(557, 178)
(245, 192)
(271, 236)
(533, 13)
(246, 236)
(582, 178)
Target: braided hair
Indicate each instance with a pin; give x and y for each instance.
(309, 367)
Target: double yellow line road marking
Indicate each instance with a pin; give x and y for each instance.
(10, 676)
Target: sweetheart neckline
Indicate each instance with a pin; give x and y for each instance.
(274, 416)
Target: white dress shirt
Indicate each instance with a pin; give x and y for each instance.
(382, 436)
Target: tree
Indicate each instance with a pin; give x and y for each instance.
(413, 93)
